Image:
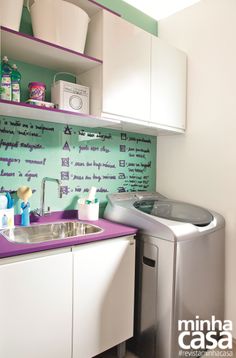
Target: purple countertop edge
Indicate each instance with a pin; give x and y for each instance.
(110, 230)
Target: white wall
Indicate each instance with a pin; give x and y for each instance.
(200, 166)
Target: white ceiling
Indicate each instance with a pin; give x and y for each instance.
(159, 9)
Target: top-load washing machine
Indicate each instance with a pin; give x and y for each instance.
(179, 267)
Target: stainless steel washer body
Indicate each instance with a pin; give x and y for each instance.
(179, 268)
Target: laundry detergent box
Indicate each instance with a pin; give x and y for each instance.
(6, 218)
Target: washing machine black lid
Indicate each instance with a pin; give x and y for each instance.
(175, 210)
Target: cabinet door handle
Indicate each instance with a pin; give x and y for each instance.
(131, 241)
(149, 262)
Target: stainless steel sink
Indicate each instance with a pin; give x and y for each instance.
(47, 232)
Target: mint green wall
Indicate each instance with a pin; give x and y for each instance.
(131, 14)
(125, 10)
(109, 160)
(31, 73)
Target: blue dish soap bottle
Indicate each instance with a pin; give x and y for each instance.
(6, 70)
(25, 211)
(15, 83)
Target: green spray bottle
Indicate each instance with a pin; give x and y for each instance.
(5, 89)
(15, 83)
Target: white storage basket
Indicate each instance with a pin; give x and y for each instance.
(10, 13)
(59, 22)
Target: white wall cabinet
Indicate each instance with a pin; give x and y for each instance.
(168, 85)
(142, 81)
(126, 69)
(103, 295)
(36, 307)
(121, 86)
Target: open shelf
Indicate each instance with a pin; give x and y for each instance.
(32, 50)
(89, 6)
(24, 110)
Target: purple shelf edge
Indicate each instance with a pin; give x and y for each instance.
(22, 104)
(32, 38)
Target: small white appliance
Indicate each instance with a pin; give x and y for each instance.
(70, 96)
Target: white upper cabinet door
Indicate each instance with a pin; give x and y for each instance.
(36, 307)
(126, 69)
(103, 295)
(168, 85)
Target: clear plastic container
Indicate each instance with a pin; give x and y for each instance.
(88, 212)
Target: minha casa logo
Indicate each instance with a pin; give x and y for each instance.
(205, 334)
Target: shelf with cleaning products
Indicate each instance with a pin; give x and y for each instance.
(30, 50)
(24, 110)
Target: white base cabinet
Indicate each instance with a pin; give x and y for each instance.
(36, 307)
(67, 303)
(103, 295)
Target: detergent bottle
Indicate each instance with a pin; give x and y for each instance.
(6, 70)
(15, 84)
